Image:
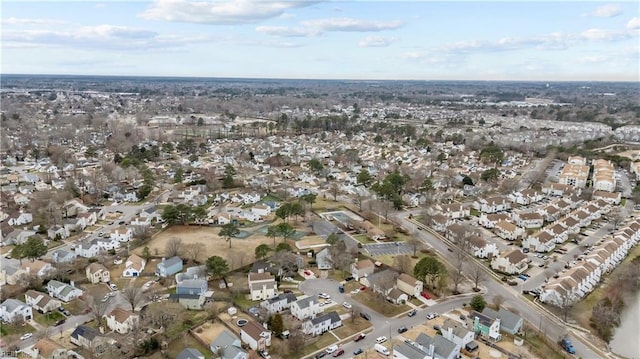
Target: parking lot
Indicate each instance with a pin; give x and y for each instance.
(385, 249)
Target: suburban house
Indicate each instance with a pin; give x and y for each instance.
(38, 267)
(453, 210)
(307, 307)
(227, 346)
(278, 303)
(14, 310)
(169, 266)
(192, 286)
(492, 205)
(141, 221)
(539, 242)
(190, 353)
(486, 326)
(409, 285)
(122, 234)
(121, 321)
(323, 259)
(426, 347)
(91, 339)
(613, 198)
(133, 266)
(63, 291)
(362, 269)
(20, 218)
(88, 249)
(261, 210)
(262, 286)
(456, 333)
(192, 301)
(507, 230)
(321, 324)
(62, 256)
(97, 273)
(196, 272)
(509, 322)
(510, 262)
(528, 219)
(41, 302)
(397, 296)
(490, 220)
(482, 248)
(47, 348)
(526, 197)
(10, 272)
(58, 232)
(255, 336)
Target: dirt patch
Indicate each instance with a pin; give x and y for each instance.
(241, 252)
(208, 331)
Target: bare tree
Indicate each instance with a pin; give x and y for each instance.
(193, 251)
(384, 282)
(403, 263)
(415, 244)
(164, 315)
(296, 338)
(457, 272)
(97, 307)
(498, 300)
(133, 295)
(173, 247)
(477, 275)
(355, 312)
(143, 233)
(617, 216)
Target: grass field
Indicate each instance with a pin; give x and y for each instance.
(383, 307)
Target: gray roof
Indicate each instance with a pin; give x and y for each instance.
(230, 344)
(332, 316)
(9, 268)
(12, 304)
(170, 262)
(289, 297)
(443, 347)
(192, 283)
(177, 296)
(190, 353)
(85, 332)
(409, 351)
(305, 302)
(508, 320)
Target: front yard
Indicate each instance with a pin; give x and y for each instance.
(47, 319)
(372, 301)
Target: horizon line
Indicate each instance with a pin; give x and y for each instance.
(314, 79)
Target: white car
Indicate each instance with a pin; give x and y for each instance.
(324, 296)
(113, 286)
(347, 305)
(381, 339)
(432, 315)
(26, 336)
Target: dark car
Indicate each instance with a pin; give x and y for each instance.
(359, 337)
(322, 354)
(348, 279)
(338, 352)
(358, 351)
(412, 313)
(61, 321)
(365, 316)
(402, 329)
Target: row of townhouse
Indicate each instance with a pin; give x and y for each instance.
(492, 204)
(546, 239)
(12, 270)
(526, 196)
(604, 178)
(578, 281)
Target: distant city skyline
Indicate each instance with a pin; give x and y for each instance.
(377, 40)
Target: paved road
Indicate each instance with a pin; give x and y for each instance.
(382, 326)
(551, 326)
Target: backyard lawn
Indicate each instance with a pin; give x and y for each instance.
(47, 319)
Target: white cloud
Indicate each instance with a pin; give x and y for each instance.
(609, 10)
(376, 41)
(100, 36)
(318, 27)
(23, 21)
(286, 31)
(634, 24)
(593, 59)
(351, 25)
(219, 12)
(603, 34)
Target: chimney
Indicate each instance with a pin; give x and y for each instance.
(431, 350)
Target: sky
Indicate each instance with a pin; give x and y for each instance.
(403, 40)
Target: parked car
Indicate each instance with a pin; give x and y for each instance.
(347, 305)
(26, 336)
(324, 295)
(425, 295)
(61, 321)
(332, 349)
(113, 286)
(402, 329)
(432, 315)
(381, 339)
(338, 352)
(360, 337)
(321, 355)
(412, 313)
(365, 316)
(358, 351)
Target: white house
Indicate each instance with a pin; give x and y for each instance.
(528, 219)
(322, 324)
(539, 242)
(58, 231)
(279, 303)
(261, 210)
(122, 234)
(88, 249)
(482, 248)
(492, 205)
(20, 219)
(63, 291)
(121, 321)
(255, 336)
(134, 266)
(409, 285)
(510, 262)
(457, 333)
(262, 286)
(507, 230)
(97, 273)
(14, 310)
(305, 308)
(41, 301)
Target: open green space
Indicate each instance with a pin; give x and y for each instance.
(314, 345)
(351, 327)
(372, 301)
(47, 319)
